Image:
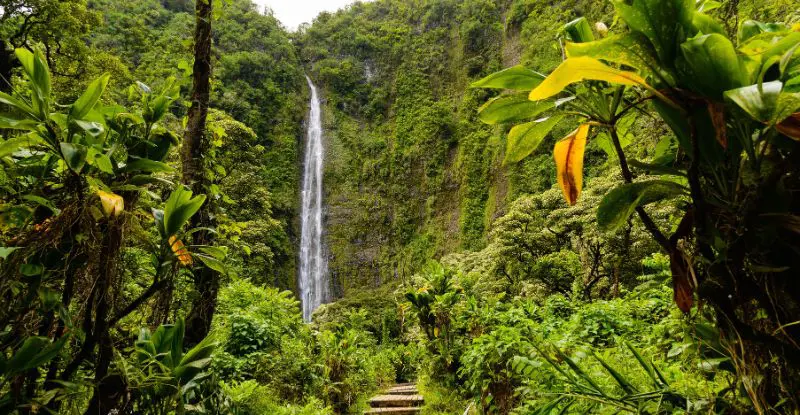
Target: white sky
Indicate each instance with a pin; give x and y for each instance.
(293, 12)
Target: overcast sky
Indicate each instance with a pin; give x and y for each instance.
(293, 12)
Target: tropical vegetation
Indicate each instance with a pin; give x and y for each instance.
(150, 156)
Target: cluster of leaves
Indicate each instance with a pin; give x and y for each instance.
(76, 178)
(731, 106)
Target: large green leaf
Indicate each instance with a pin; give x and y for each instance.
(212, 263)
(89, 98)
(18, 104)
(517, 78)
(146, 165)
(751, 28)
(74, 155)
(17, 124)
(511, 108)
(788, 104)
(711, 66)
(100, 160)
(6, 251)
(758, 101)
(13, 144)
(35, 67)
(620, 203)
(195, 360)
(35, 351)
(179, 208)
(523, 139)
(44, 202)
(661, 21)
(706, 24)
(579, 30)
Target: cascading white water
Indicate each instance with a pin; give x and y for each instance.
(313, 273)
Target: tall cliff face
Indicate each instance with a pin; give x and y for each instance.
(411, 173)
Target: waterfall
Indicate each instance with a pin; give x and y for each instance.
(313, 272)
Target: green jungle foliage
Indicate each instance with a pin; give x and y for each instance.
(645, 266)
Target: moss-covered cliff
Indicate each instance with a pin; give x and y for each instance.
(411, 173)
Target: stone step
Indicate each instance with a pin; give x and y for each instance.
(402, 390)
(387, 401)
(395, 411)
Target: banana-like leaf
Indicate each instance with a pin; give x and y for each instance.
(582, 68)
(18, 104)
(517, 78)
(568, 154)
(524, 139)
(179, 208)
(17, 124)
(89, 98)
(620, 203)
(511, 108)
(34, 65)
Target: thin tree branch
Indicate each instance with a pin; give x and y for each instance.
(648, 222)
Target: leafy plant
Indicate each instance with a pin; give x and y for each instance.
(163, 376)
(629, 396)
(732, 108)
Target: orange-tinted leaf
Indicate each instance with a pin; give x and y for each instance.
(682, 280)
(790, 127)
(112, 204)
(717, 113)
(568, 154)
(180, 251)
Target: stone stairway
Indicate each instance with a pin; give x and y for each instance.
(402, 399)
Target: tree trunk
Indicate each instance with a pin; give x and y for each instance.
(195, 145)
(7, 62)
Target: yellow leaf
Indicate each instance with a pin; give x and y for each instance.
(435, 332)
(578, 69)
(569, 163)
(112, 204)
(180, 251)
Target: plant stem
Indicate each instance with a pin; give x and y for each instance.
(648, 222)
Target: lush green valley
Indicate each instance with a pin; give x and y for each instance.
(150, 211)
